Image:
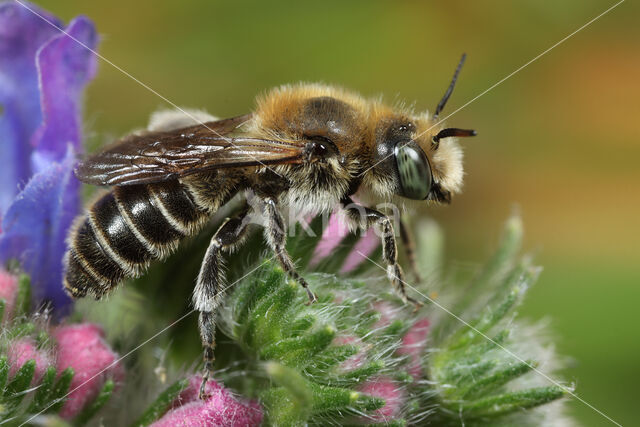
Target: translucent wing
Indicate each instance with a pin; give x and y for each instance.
(160, 156)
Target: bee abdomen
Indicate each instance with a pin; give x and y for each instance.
(124, 231)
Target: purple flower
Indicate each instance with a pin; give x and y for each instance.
(43, 73)
(221, 408)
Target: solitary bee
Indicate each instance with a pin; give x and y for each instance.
(306, 145)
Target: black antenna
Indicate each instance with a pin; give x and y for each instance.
(447, 94)
(448, 132)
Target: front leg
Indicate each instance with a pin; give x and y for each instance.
(277, 238)
(207, 291)
(365, 218)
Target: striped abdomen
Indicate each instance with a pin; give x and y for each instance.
(125, 230)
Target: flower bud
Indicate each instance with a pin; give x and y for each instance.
(82, 348)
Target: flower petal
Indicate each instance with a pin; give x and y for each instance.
(221, 408)
(361, 250)
(332, 235)
(64, 68)
(82, 347)
(22, 33)
(8, 292)
(35, 227)
(392, 392)
(21, 351)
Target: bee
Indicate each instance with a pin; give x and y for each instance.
(304, 145)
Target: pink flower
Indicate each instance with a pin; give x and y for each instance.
(388, 313)
(414, 344)
(23, 350)
(362, 249)
(221, 408)
(82, 348)
(391, 392)
(8, 292)
(334, 232)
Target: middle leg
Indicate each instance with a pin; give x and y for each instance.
(277, 238)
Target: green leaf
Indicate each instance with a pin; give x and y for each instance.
(17, 387)
(2, 307)
(93, 407)
(267, 328)
(297, 352)
(496, 267)
(335, 399)
(291, 403)
(492, 314)
(300, 325)
(42, 395)
(23, 297)
(60, 390)
(330, 357)
(22, 329)
(364, 372)
(4, 373)
(462, 374)
(510, 402)
(269, 277)
(497, 379)
(161, 404)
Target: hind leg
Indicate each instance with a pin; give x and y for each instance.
(207, 291)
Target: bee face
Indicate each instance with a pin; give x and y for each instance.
(408, 163)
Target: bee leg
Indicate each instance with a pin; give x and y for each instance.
(207, 291)
(409, 249)
(365, 218)
(276, 236)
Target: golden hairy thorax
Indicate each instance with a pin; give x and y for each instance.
(285, 112)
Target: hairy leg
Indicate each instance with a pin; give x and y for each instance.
(276, 236)
(365, 218)
(409, 249)
(207, 290)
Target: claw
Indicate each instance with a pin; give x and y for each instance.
(312, 297)
(202, 395)
(416, 304)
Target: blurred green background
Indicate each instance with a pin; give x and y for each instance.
(559, 141)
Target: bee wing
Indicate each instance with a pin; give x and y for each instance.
(160, 156)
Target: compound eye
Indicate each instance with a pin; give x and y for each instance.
(413, 170)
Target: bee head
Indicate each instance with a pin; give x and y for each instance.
(422, 159)
(418, 168)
